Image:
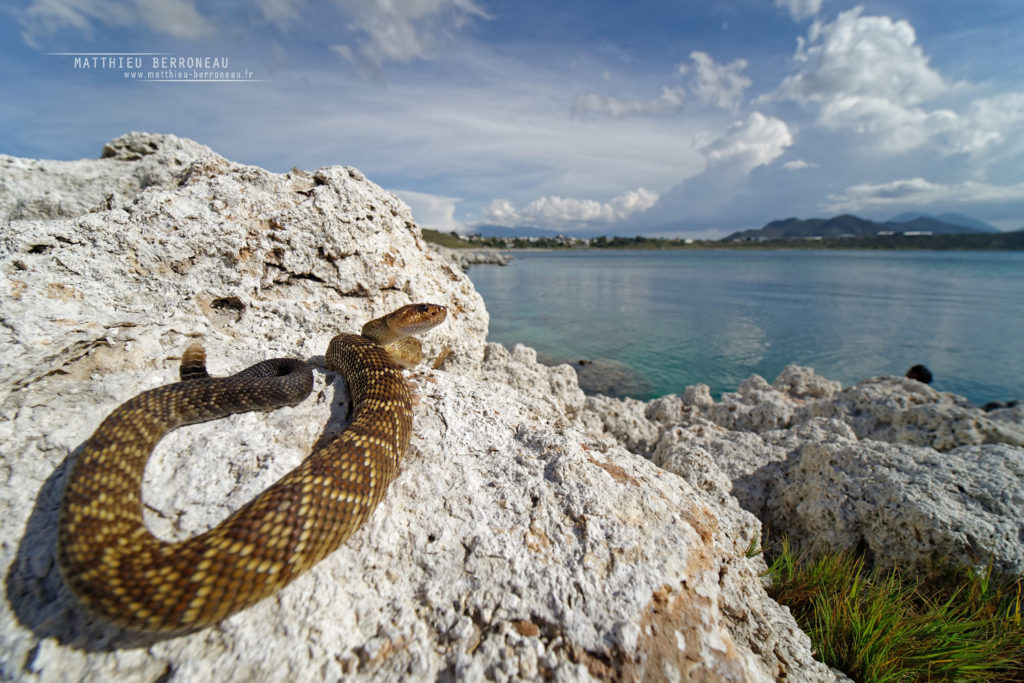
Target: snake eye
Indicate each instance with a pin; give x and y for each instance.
(423, 308)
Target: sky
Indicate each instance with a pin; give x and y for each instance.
(691, 118)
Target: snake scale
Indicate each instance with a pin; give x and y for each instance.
(119, 570)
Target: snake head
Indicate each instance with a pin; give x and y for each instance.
(416, 318)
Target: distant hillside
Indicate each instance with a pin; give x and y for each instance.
(502, 231)
(851, 226)
(948, 218)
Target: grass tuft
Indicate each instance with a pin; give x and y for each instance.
(881, 626)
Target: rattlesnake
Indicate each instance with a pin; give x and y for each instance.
(118, 569)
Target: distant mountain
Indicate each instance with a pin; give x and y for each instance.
(796, 228)
(850, 226)
(957, 219)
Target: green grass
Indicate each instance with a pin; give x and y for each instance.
(881, 626)
(445, 239)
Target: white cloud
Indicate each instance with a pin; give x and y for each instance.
(920, 192)
(402, 30)
(800, 9)
(719, 84)
(176, 18)
(433, 211)
(282, 13)
(634, 201)
(994, 125)
(868, 75)
(757, 141)
(670, 101)
(863, 57)
(564, 212)
(798, 165)
(500, 212)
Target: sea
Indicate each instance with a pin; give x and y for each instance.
(649, 323)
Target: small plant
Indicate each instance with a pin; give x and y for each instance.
(881, 626)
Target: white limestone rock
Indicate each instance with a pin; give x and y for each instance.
(620, 420)
(464, 258)
(803, 384)
(553, 392)
(905, 411)
(859, 469)
(43, 189)
(906, 506)
(512, 546)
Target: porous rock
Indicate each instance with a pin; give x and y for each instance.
(909, 507)
(512, 545)
(41, 188)
(888, 467)
(905, 411)
(464, 258)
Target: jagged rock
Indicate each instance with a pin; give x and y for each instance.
(553, 392)
(858, 469)
(905, 411)
(464, 258)
(39, 188)
(512, 545)
(908, 506)
(802, 384)
(620, 420)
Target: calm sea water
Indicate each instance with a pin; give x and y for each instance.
(675, 318)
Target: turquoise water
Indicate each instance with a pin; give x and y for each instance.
(676, 318)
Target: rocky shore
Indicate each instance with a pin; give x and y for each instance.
(464, 258)
(533, 532)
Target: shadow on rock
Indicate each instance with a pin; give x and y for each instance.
(37, 593)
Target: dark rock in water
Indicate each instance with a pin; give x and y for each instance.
(999, 405)
(605, 376)
(611, 378)
(920, 373)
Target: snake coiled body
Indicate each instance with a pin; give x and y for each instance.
(117, 568)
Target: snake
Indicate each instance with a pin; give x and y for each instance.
(119, 570)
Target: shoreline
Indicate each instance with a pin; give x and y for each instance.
(1007, 241)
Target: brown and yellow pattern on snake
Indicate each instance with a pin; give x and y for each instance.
(117, 568)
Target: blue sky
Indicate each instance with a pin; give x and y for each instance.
(687, 118)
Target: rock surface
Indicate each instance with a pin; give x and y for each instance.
(911, 477)
(41, 189)
(521, 540)
(464, 258)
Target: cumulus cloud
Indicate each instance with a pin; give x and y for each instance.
(800, 9)
(564, 212)
(867, 75)
(670, 101)
(402, 30)
(798, 165)
(433, 211)
(176, 18)
(719, 84)
(756, 141)
(863, 57)
(993, 124)
(921, 192)
(500, 212)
